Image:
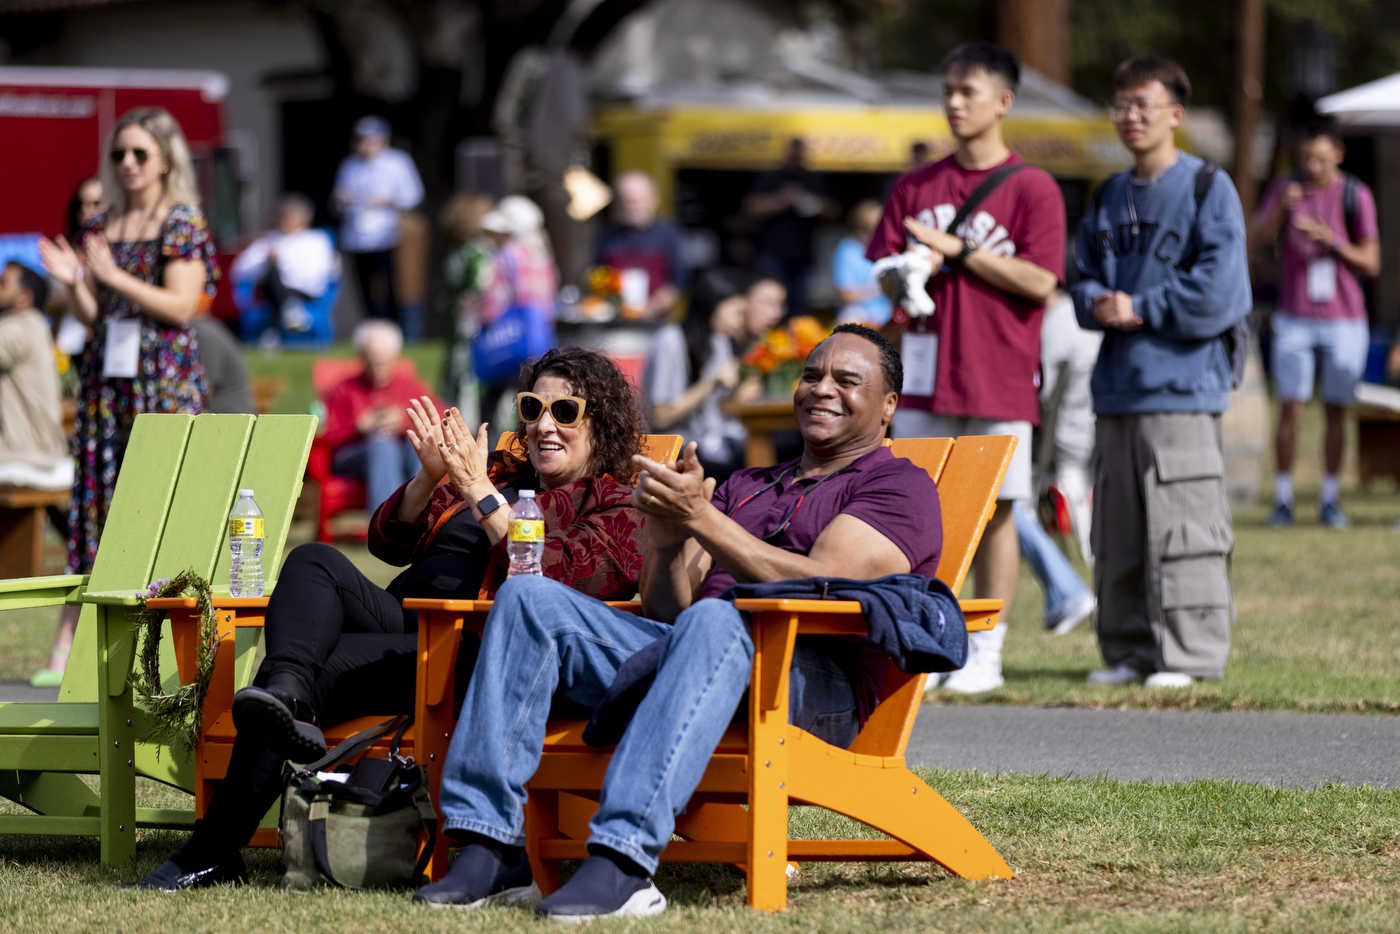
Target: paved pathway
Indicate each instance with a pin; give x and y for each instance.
(1288, 749)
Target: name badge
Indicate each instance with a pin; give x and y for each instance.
(1322, 279)
(920, 353)
(123, 354)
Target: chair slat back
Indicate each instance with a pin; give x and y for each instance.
(131, 535)
(203, 496)
(969, 475)
(273, 468)
(967, 494)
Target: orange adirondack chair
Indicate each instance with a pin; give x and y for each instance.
(770, 763)
(427, 739)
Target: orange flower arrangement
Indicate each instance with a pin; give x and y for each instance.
(779, 356)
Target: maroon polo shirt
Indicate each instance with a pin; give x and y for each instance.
(890, 494)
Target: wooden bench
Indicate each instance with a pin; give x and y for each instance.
(23, 519)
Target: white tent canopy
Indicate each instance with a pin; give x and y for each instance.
(1376, 103)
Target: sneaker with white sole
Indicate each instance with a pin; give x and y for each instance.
(1118, 674)
(482, 876)
(601, 889)
(1168, 679)
(1077, 612)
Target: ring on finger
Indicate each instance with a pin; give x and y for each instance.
(452, 446)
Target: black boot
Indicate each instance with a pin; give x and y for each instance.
(277, 716)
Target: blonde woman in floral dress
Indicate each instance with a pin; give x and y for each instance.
(138, 276)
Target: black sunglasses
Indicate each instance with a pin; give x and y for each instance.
(118, 155)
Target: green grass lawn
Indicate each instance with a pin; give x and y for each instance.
(1090, 855)
(1317, 631)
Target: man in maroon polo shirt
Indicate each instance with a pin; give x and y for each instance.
(846, 508)
(973, 366)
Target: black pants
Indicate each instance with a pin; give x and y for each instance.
(278, 292)
(375, 274)
(349, 649)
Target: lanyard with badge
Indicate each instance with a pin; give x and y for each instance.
(121, 355)
(1322, 272)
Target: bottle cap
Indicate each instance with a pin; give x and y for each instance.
(245, 492)
(527, 494)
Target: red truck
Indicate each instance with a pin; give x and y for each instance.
(56, 122)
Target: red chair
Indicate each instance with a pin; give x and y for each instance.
(336, 494)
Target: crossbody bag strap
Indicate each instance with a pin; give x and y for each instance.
(979, 194)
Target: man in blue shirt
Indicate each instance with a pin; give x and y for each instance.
(644, 244)
(373, 186)
(1163, 273)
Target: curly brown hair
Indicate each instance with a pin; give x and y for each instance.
(614, 410)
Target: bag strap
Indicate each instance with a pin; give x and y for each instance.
(979, 194)
(357, 743)
(429, 818)
(320, 810)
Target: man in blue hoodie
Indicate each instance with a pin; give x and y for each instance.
(1163, 272)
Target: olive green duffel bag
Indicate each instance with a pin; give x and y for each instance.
(357, 827)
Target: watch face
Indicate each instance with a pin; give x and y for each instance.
(969, 244)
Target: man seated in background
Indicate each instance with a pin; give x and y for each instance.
(230, 391)
(366, 416)
(291, 263)
(33, 449)
(846, 508)
(644, 244)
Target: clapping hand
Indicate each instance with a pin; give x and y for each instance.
(61, 260)
(671, 495)
(426, 436)
(98, 257)
(465, 457)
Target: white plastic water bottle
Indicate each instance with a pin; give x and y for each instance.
(245, 545)
(526, 536)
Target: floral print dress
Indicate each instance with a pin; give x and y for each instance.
(169, 377)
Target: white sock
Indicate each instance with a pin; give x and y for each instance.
(1283, 488)
(1329, 489)
(988, 644)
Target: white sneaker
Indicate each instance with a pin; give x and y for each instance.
(1121, 674)
(1076, 614)
(1168, 679)
(983, 669)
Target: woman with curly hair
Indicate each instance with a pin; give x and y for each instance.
(340, 647)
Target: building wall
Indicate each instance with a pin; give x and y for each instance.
(244, 39)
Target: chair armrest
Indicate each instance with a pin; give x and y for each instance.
(112, 598)
(24, 592)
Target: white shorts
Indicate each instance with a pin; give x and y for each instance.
(916, 423)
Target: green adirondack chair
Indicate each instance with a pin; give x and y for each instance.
(177, 485)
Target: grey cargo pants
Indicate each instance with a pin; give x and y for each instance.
(1161, 535)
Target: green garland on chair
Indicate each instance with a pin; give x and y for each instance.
(177, 717)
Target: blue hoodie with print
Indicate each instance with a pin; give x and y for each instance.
(1187, 272)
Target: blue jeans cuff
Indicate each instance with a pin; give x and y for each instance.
(486, 830)
(628, 849)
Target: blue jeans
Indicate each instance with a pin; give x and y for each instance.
(543, 638)
(383, 463)
(1051, 568)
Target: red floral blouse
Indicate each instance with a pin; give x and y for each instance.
(593, 537)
